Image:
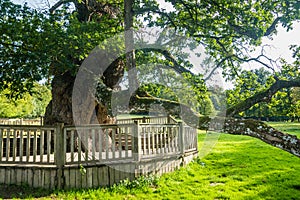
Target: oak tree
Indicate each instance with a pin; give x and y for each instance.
(53, 44)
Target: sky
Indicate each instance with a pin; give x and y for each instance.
(281, 42)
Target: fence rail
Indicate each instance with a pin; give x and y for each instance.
(21, 121)
(130, 143)
(149, 120)
(94, 143)
(98, 143)
(27, 144)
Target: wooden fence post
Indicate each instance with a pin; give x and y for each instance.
(60, 154)
(181, 139)
(137, 142)
(136, 149)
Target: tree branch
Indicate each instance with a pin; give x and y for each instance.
(256, 60)
(262, 131)
(216, 67)
(178, 68)
(252, 128)
(58, 4)
(272, 28)
(264, 96)
(145, 10)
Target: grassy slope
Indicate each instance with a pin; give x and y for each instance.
(239, 167)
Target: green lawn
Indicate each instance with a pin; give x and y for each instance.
(291, 128)
(239, 167)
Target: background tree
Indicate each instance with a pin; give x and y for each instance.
(29, 105)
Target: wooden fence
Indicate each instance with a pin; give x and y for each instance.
(21, 121)
(149, 120)
(93, 155)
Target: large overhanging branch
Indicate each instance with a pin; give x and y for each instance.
(252, 128)
(264, 96)
(262, 131)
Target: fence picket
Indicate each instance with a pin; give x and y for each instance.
(120, 142)
(86, 145)
(14, 147)
(1, 144)
(48, 146)
(7, 144)
(148, 142)
(42, 146)
(79, 149)
(72, 143)
(34, 150)
(100, 135)
(126, 141)
(106, 144)
(93, 144)
(113, 141)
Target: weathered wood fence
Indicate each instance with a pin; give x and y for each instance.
(21, 121)
(93, 155)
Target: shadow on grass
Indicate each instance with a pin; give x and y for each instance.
(21, 192)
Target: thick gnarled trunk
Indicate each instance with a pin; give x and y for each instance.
(59, 109)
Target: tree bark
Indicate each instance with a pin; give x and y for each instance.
(60, 107)
(129, 45)
(59, 110)
(262, 131)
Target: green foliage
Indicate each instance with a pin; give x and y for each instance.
(82, 170)
(24, 56)
(15, 108)
(27, 106)
(37, 45)
(224, 28)
(141, 183)
(294, 111)
(284, 103)
(248, 84)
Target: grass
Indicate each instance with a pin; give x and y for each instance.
(239, 167)
(291, 128)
